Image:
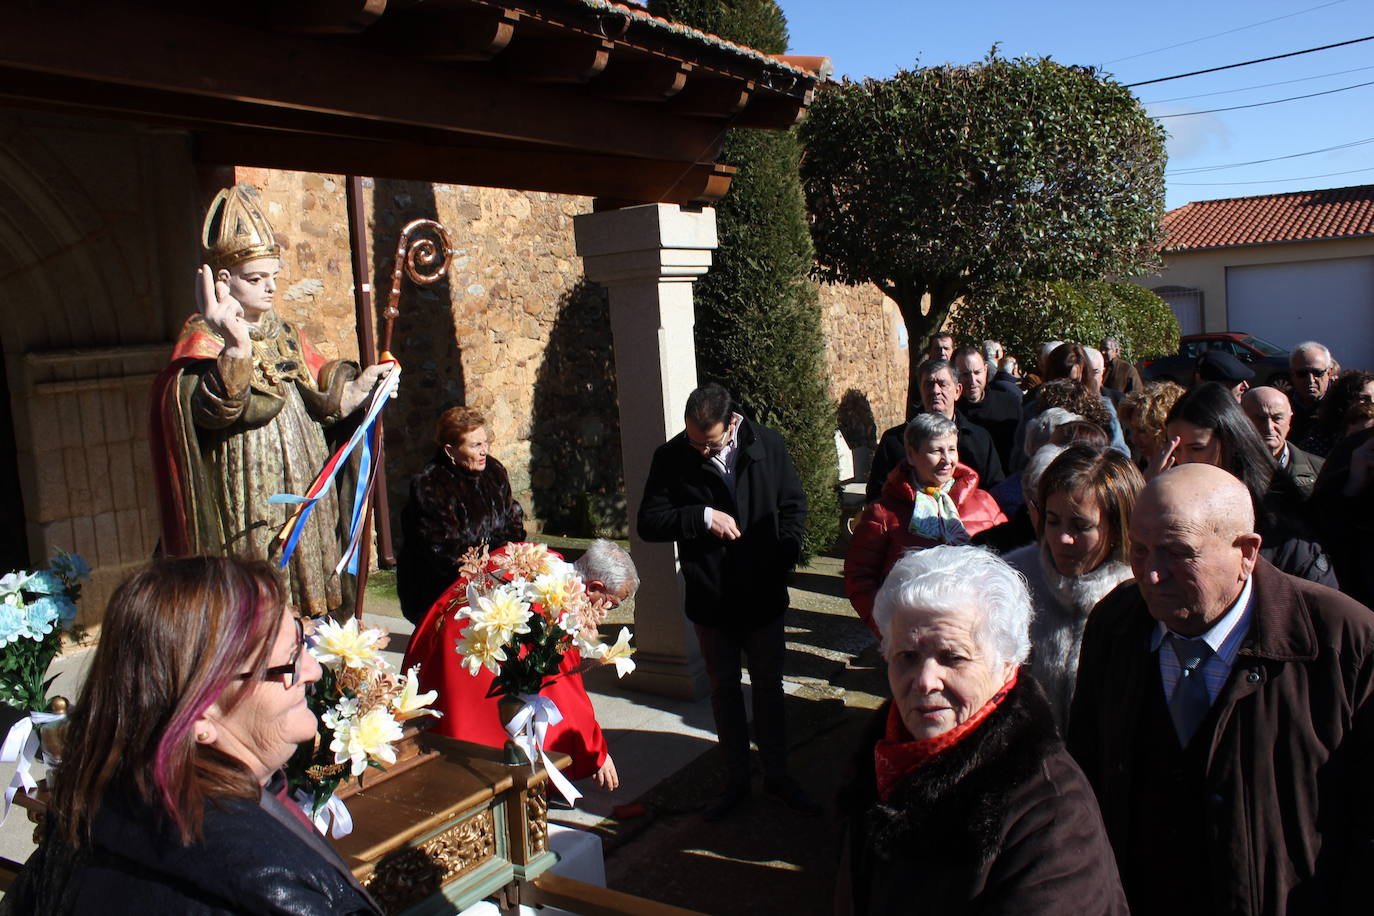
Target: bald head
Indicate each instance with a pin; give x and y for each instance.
(1193, 545)
(1269, 409)
(1204, 494)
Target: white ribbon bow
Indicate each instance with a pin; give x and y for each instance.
(527, 729)
(21, 747)
(332, 819)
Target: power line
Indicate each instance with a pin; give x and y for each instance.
(1301, 79)
(1292, 98)
(1193, 41)
(1236, 165)
(1222, 184)
(1246, 63)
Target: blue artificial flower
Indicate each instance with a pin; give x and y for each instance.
(45, 582)
(70, 566)
(42, 615)
(12, 620)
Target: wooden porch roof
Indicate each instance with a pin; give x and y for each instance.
(571, 96)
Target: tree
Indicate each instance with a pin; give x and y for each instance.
(946, 182)
(1023, 316)
(757, 309)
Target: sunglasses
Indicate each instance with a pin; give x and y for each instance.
(290, 672)
(1311, 373)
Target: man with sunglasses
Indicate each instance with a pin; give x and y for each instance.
(726, 491)
(1310, 367)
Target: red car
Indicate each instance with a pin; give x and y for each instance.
(1269, 362)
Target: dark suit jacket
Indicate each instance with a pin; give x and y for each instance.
(1303, 469)
(1288, 812)
(999, 413)
(729, 583)
(975, 450)
(1122, 376)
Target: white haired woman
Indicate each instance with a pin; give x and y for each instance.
(965, 800)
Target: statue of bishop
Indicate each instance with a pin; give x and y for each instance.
(242, 411)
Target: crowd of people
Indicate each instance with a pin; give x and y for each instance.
(1138, 673)
(1126, 628)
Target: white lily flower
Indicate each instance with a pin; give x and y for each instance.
(500, 614)
(371, 736)
(409, 704)
(345, 646)
(620, 653)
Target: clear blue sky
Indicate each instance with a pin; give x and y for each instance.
(877, 37)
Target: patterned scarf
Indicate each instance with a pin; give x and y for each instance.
(934, 515)
(897, 755)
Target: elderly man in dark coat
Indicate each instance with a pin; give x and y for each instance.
(1224, 714)
(726, 491)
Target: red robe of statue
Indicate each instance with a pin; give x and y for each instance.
(470, 715)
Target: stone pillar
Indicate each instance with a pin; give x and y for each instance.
(648, 257)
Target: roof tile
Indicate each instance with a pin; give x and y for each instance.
(1299, 216)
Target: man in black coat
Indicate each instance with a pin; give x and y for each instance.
(726, 491)
(940, 390)
(996, 411)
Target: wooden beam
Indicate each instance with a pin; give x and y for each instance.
(126, 45)
(469, 34)
(772, 114)
(559, 172)
(634, 77)
(325, 17)
(592, 899)
(541, 56)
(710, 97)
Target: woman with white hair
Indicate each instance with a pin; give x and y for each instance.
(929, 498)
(965, 800)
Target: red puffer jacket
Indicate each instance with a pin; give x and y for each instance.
(881, 535)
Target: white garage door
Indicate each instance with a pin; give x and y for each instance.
(1328, 301)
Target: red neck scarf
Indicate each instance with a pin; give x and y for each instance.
(898, 755)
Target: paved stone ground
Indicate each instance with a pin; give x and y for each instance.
(765, 858)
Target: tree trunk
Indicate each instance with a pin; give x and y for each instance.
(919, 331)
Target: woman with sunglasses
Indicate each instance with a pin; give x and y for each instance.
(169, 797)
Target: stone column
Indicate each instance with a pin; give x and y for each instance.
(648, 257)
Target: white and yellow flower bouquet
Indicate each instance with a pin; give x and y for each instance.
(362, 704)
(524, 608)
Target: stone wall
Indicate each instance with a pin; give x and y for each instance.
(868, 370)
(513, 331)
(518, 333)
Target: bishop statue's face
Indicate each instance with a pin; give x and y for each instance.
(254, 284)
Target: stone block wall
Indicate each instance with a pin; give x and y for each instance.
(868, 370)
(513, 331)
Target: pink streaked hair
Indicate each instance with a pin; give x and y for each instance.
(231, 652)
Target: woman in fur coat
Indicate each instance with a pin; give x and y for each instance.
(964, 799)
(460, 500)
(1085, 498)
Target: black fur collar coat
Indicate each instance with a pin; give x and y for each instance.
(451, 510)
(1002, 822)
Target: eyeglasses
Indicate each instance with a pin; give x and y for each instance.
(291, 671)
(714, 447)
(1310, 373)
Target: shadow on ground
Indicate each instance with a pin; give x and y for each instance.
(765, 858)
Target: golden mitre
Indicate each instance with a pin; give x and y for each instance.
(235, 229)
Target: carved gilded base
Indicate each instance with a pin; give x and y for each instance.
(404, 878)
(453, 829)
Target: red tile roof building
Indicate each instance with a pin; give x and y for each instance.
(1300, 216)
